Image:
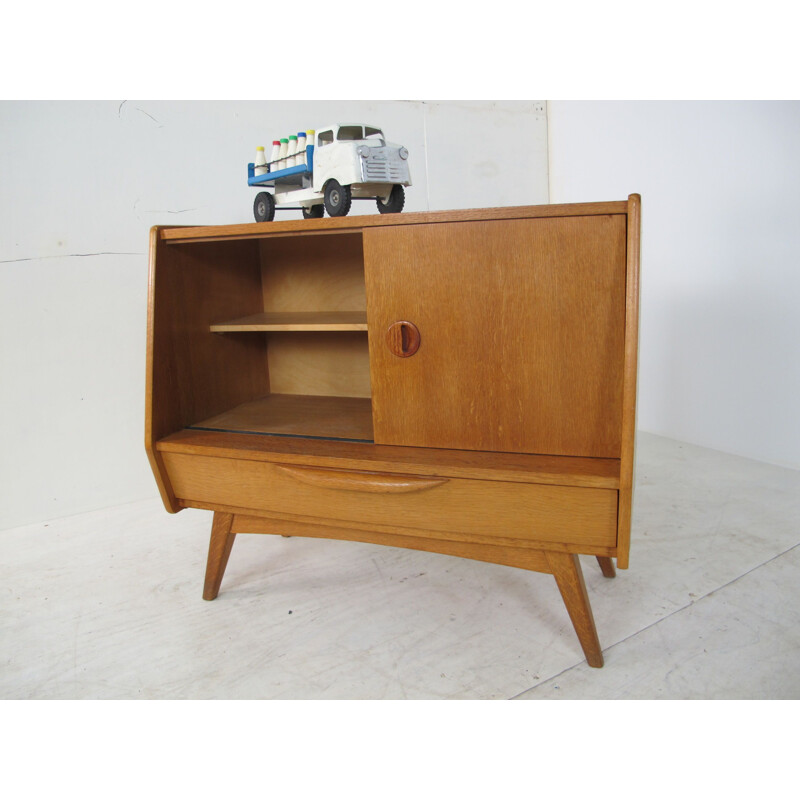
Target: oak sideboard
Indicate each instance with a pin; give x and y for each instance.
(461, 382)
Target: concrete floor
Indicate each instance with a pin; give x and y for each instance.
(107, 605)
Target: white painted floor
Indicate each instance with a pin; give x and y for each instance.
(108, 605)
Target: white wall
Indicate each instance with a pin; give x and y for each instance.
(720, 327)
(82, 182)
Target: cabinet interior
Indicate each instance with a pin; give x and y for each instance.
(282, 322)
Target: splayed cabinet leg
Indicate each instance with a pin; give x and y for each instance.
(219, 549)
(566, 569)
(607, 566)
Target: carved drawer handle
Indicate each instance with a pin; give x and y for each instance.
(403, 338)
(359, 481)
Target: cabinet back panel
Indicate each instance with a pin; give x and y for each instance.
(522, 334)
(319, 363)
(313, 273)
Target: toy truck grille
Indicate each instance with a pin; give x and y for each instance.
(384, 166)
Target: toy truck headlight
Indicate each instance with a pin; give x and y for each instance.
(363, 150)
(402, 152)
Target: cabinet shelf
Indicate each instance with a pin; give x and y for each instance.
(295, 321)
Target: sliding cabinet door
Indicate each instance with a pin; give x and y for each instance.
(503, 335)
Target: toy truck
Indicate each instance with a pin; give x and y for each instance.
(342, 163)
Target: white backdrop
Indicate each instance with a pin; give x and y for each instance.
(720, 328)
(82, 182)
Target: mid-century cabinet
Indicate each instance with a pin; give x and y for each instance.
(460, 382)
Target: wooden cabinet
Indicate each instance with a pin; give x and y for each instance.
(458, 382)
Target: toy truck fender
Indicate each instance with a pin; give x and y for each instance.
(336, 161)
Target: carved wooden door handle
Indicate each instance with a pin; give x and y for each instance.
(403, 338)
(359, 481)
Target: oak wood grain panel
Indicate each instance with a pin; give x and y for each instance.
(313, 273)
(523, 557)
(161, 410)
(332, 225)
(598, 473)
(525, 511)
(522, 325)
(192, 374)
(319, 363)
(394, 530)
(297, 415)
(628, 451)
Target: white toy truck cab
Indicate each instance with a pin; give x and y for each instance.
(343, 163)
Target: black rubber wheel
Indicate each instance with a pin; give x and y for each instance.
(264, 207)
(397, 199)
(313, 212)
(337, 199)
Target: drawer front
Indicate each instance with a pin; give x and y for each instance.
(526, 511)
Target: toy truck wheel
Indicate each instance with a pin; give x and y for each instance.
(264, 207)
(313, 212)
(337, 199)
(397, 199)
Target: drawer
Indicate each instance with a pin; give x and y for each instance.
(535, 512)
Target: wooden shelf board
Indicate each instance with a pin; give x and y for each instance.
(348, 418)
(295, 321)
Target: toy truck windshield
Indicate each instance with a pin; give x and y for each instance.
(355, 133)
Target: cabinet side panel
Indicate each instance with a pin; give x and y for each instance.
(161, 411)
(627, 460)
(193, 373)
(521, 325)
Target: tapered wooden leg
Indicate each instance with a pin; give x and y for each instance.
(219, 548)
(569, 577)
(607, 566)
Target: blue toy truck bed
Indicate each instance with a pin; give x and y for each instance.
(290, 175)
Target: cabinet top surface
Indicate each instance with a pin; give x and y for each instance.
(357, 223)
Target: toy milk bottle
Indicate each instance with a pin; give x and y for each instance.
(276, 149)
(282, 154)
(261, 162)
(292, 151)
(300, 158)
